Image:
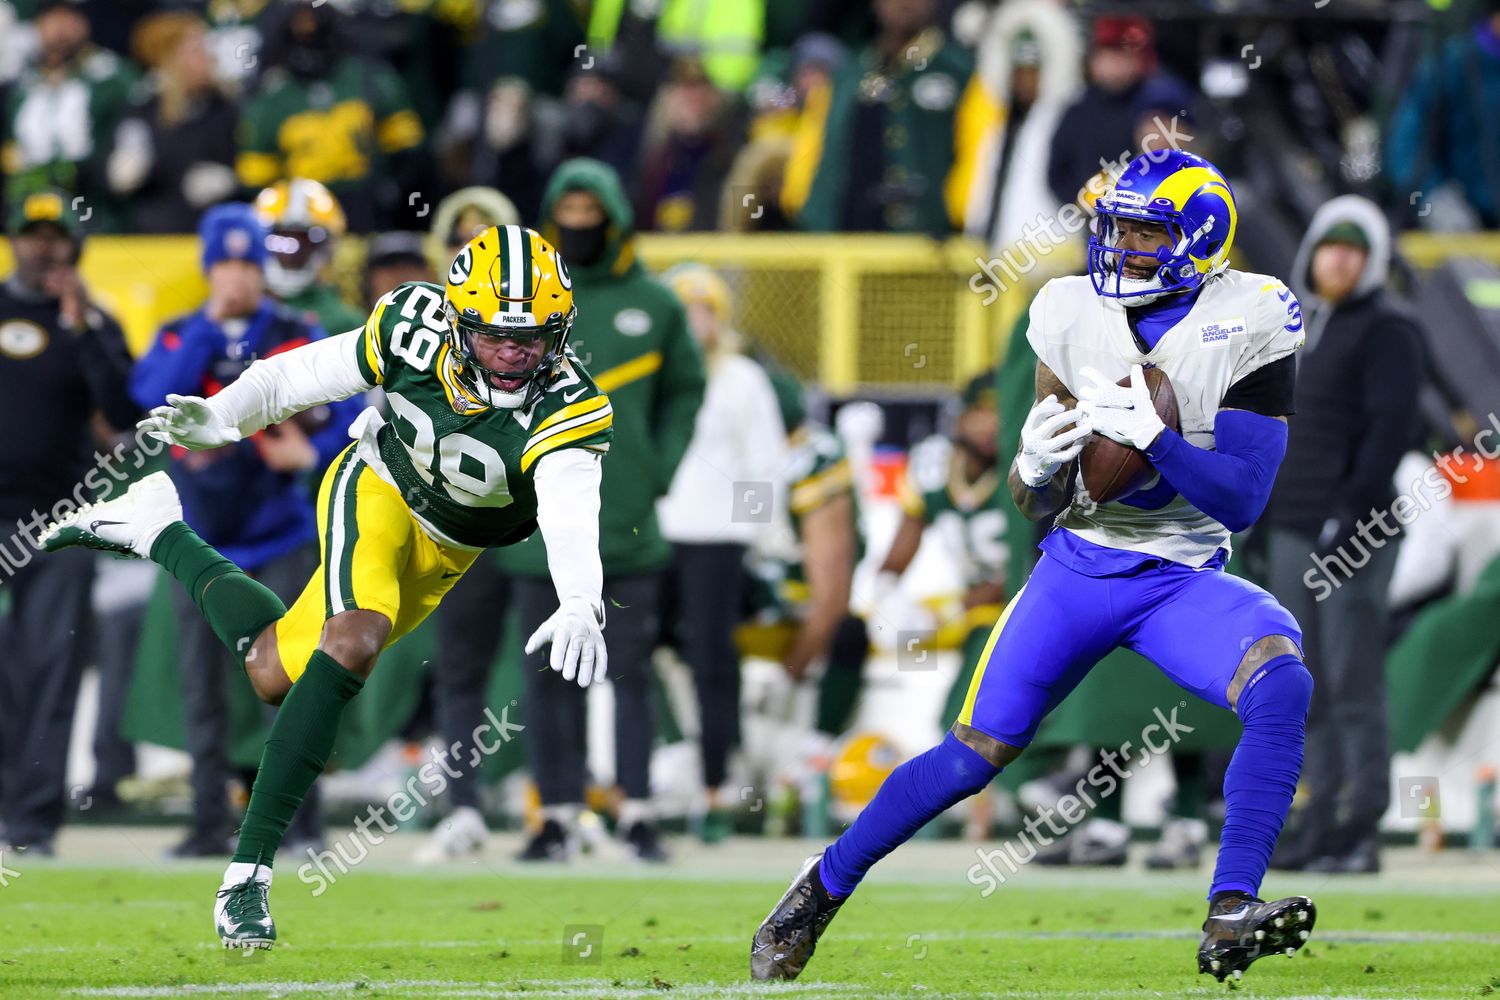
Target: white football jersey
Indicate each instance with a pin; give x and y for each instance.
(1239, 323)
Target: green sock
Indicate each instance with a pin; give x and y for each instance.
(296, 753)
(237, 608)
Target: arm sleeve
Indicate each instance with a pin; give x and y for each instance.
(679, 394)
(1389, 384)
(274, 388)
(1232, 483)
(1270, 390)
(567, 512)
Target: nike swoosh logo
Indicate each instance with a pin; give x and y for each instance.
(449, 576)
(568, 397)
(94, 525)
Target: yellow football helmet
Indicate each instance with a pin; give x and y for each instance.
(304, 219)
(510, 284)
(863, 761)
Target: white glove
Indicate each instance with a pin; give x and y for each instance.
(1121, 413)
(189, 421)
(894, 611)
(1045, 446)
(577, 642)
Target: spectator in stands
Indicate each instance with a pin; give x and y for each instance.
(786, 96)
(304, 223)
(599, 120)
(173, 153)
(510, 149)
(60, 116)
(62, 363)
(633, 336)
(881, 157)
(393, 259)
(1356, 413)
(1101, 124)
(695, 131)
(322, 113)
(1444, 132)
(720, 503)
(726, 35)
(251, 500)
(1028, 75)
(460, 217)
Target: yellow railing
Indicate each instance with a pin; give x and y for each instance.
(846, 311)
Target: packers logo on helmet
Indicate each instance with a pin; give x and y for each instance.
(1190, 199)
(510, 309)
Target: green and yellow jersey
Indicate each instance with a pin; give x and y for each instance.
(818, 470)
(967, 516)
(331, 130)
(463, 467)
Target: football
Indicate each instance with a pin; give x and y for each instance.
(1112, 470)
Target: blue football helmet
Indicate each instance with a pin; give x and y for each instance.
(1184, 193)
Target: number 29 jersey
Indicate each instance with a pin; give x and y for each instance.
(464, 468)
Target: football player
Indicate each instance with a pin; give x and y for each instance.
(495, 430)
(1146, 571)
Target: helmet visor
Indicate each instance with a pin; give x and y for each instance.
(507, 357)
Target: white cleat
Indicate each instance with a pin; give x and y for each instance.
(129, 524)
(460, 834)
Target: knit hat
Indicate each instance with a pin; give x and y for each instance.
(232, 232)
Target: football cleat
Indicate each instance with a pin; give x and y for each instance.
(785, 940)
(643, 841)
(242, 914)
(550, 843)
(129, 524)
(1181, 845)
(1241, 929)
(462, 833)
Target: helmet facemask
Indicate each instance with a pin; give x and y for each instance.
(529, 377)
(1174, 270)
(296, 257)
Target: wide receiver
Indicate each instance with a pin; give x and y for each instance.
(1145, 572)
(496, 429)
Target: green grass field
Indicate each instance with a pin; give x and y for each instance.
(493, 929)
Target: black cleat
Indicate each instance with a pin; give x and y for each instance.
(785, 940)
(1241, 928)
(644, 842)
(549, 844)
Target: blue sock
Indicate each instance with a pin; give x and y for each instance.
(914, 793)
(1262, 776)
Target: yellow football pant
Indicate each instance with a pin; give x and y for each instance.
(375, 557)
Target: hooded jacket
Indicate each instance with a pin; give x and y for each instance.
(632, 336)
(1357, 384)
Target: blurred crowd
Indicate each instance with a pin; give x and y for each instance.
(273, 130)
(928, 116)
